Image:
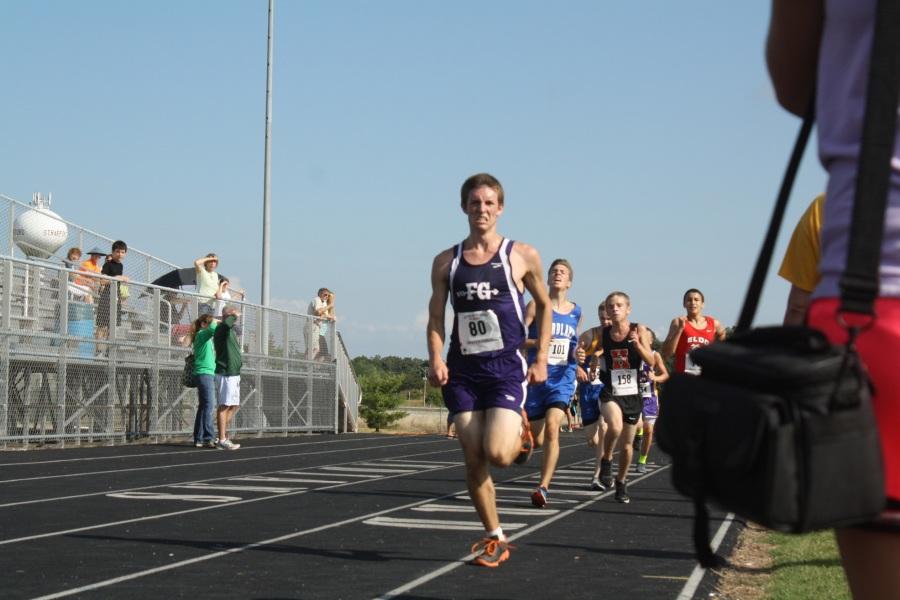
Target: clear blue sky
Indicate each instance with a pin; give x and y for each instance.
(639, 140)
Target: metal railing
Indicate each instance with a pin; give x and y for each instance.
(86, 358)
(348, 390)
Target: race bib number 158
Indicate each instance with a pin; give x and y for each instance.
(624, 382)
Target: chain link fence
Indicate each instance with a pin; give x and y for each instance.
(85, 358)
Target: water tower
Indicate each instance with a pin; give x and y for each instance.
(39, 232)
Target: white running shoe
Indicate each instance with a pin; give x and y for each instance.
(227, 445)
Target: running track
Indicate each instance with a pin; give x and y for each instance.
(354, 516)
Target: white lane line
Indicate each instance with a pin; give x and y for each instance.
(446, 463)
(313, 473)
(504, 510)
(462, 561)
(181, 452)
(524, 500)
(526, 488)
(390, 465)
(236, 488)
(687, 592)
(565, 477)
(158, 485)
(365, 470)
(195, 510)
(215, 555)
(206, 463)
(263, 478)
(554, 485)
(182, 497)
(290, 536)
(441, 524)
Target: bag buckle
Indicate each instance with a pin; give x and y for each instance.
(854, 323)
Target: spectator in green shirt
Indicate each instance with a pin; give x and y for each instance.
(228, 374)
(202, 332)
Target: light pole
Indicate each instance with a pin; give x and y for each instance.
(267, 168)
(424, 390)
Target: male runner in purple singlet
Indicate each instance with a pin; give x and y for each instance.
(485, 376)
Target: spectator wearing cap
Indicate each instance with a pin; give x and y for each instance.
(207, 282)
(92, 265)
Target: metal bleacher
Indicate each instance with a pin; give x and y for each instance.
(60, 383)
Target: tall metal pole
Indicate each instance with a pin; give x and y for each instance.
(264, 329)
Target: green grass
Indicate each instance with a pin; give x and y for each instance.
(806, 566)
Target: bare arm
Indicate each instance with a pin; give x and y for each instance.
(720, 332)
(529, 319)
(797, 303)
(641, 340)
(660, 372)
(792, 51)
(200, 263)
(578, 352)
(675, 329)
(434, 332)
(533, 280)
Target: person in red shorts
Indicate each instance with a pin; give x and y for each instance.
(822, 49)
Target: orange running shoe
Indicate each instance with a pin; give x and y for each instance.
(527, 441)
(490, 552)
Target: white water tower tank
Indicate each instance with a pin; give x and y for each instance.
(39, 232)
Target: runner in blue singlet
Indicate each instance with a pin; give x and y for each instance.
(548, 402)
(590, 354)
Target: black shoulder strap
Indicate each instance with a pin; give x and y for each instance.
(754, 291)
(859, 283)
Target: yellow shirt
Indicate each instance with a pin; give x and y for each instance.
(207, 282)
(800, 265)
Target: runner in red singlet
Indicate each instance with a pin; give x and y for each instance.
(689, 332)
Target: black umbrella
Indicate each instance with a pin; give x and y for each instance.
(177, 278)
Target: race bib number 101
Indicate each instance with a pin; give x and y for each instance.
(559, 351)
(479, 331)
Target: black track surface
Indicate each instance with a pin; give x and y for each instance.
(328, 517)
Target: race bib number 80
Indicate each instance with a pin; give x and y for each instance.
(479, 331)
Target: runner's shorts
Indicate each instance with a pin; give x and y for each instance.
(543, 397)
(589, 398)
(631, 406)
(476, 385)
(650, 409)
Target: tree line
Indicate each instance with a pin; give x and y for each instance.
(389, 382)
